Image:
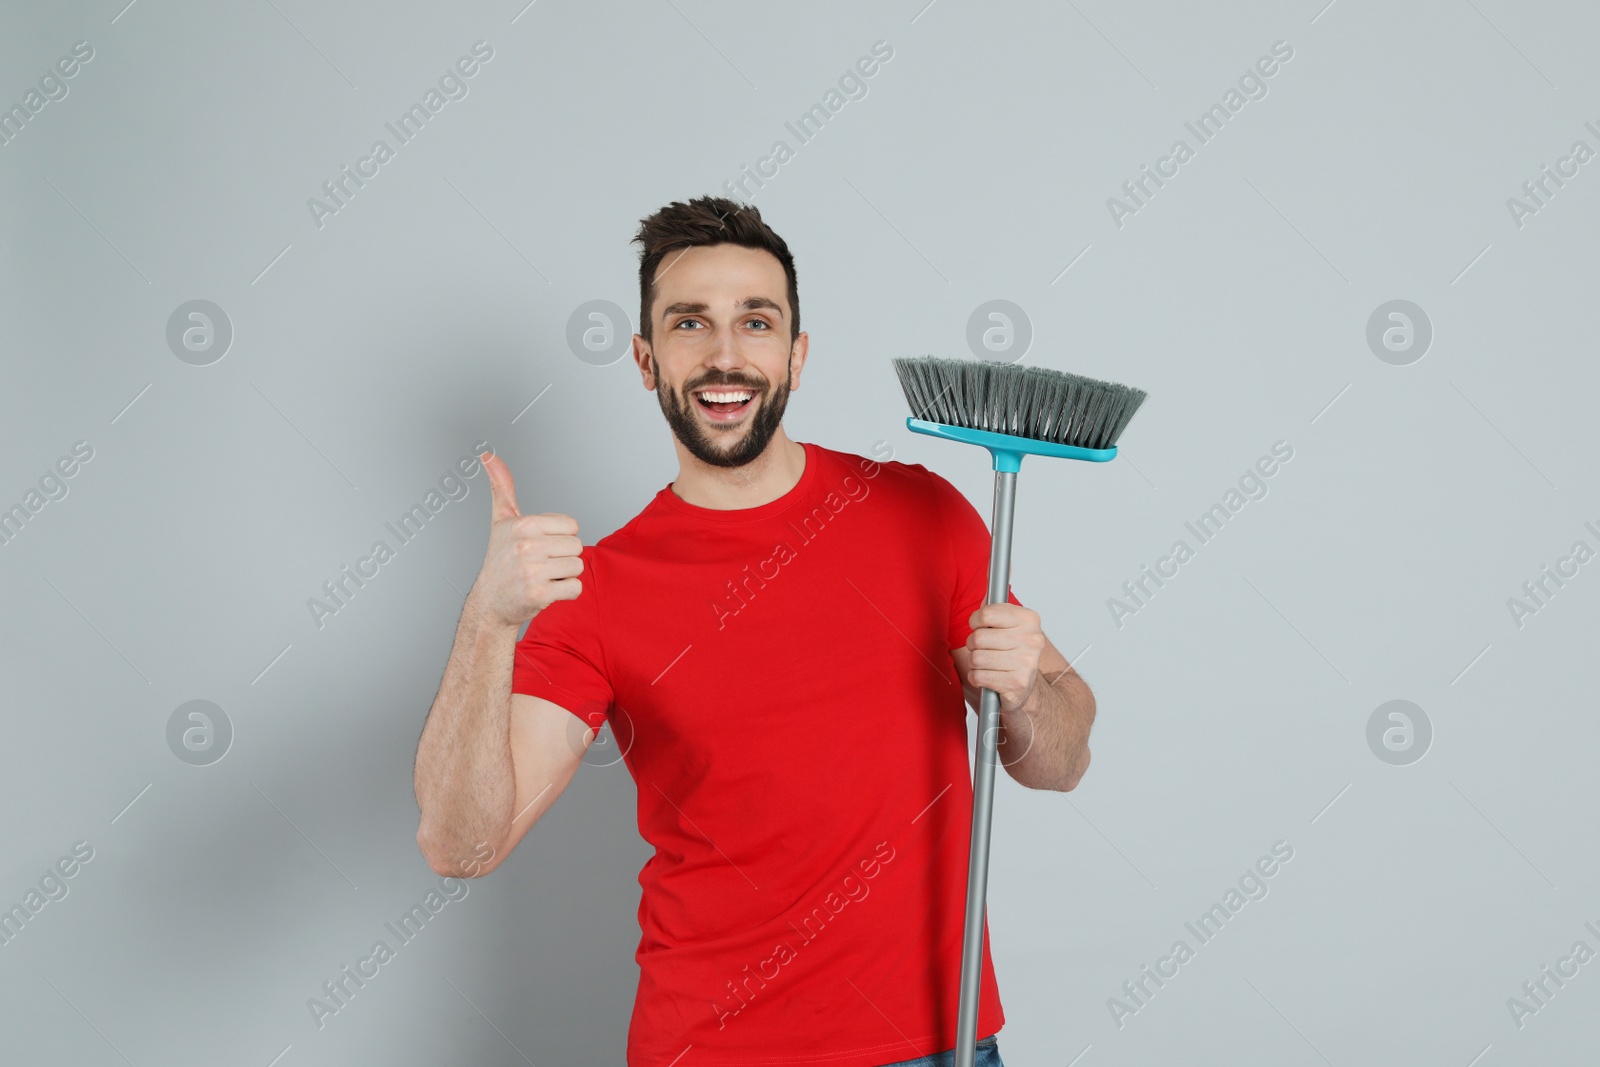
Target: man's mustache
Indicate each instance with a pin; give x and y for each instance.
(728, 383)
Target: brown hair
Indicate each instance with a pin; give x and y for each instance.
(703, 221)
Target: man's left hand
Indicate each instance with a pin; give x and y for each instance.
(1004, 650)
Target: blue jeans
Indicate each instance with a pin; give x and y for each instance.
(988, 1056)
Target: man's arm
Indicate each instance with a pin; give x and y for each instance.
(489, 762)
(1046, 708)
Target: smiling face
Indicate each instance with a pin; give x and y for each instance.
(720, 359)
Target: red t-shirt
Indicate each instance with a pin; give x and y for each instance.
(781, 682)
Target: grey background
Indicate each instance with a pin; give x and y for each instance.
(369, 354)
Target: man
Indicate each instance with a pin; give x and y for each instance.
(783, 638)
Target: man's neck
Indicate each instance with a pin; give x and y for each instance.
(761, 481)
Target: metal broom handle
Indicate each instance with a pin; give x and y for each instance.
(984, 762)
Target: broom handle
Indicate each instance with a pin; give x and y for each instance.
(984, 761)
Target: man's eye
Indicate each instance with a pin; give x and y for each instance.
(686, 322)
(759, 322)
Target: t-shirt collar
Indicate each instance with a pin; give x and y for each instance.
(771, 508)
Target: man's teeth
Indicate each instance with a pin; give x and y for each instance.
(725, 398)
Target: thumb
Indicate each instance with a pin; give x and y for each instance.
(502, 490)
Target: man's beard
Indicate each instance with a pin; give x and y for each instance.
(687, 427)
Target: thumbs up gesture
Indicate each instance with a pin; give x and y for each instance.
(532, 560)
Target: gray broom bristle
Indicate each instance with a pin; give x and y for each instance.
(1033, 402)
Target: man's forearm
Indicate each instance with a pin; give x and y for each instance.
(1045, 744)
(464, 779)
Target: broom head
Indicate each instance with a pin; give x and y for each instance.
(1035, 403)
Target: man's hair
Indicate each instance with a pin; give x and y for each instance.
(704, 221)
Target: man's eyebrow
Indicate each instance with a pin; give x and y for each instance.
(749, 303)
(752, 302)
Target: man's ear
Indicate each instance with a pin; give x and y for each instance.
(645, 359)
(797, 358)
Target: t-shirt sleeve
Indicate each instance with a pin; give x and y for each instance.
(967, 544)
(560, 657)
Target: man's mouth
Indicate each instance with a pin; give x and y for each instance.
(724, 403)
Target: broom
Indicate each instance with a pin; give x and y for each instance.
(1012, 411)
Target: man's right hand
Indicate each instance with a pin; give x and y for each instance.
(532, 561)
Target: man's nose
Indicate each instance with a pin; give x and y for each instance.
(725, 354)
